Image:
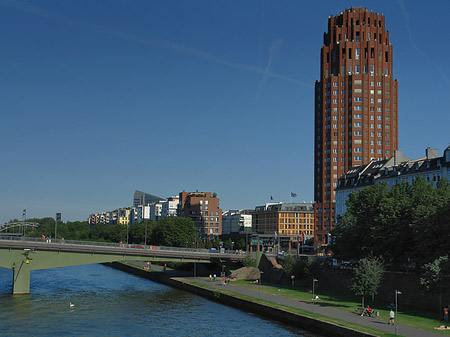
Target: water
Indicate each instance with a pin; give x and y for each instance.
(108, 302)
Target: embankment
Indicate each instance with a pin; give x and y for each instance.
(303, 322)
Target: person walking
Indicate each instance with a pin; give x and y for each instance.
(446, 313)
(391, 317)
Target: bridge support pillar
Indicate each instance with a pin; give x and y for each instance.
(21, 278)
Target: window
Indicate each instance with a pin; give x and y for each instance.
(357, 51)
(335, 100)
(358, 116)
(379, 92)
(380, 151)
(358, 99)
(371, 70)
(380, 134)
(335, 84)
(358, 124)
(387, 118)
(358, 107)
(380, 118)
(379, 84)
(335, 92)
(379, 126)
(357, 158)
(358, 149)
(380, 109)
(358, 82)
(358, 133)
(372, 83)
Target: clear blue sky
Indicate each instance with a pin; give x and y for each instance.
(99, 98)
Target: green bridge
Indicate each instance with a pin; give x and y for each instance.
(23, 255)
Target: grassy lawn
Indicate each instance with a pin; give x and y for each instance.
(297, 311)
(406, 316)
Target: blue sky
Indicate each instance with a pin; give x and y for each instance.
(100, 98)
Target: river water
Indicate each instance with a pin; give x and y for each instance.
(109, 302)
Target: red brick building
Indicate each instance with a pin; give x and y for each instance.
(356, 111)
(203, 208)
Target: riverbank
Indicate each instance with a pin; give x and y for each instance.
(258, 303)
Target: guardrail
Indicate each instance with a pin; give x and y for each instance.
(118, 245)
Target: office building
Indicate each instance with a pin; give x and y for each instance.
(356, 111)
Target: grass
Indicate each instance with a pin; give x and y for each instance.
(412, 317)
(297, 311)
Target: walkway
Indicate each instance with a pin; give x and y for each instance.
(374, 323)
(326, 311)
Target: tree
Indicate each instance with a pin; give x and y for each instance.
(367, 278)
(240, 244)
(436, 277)
(174, 232)
(248, 261)
(228, 244)
(289, 264)
(400, 224)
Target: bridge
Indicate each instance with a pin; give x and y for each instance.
(23, 254)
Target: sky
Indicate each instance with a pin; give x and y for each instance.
(102, 98)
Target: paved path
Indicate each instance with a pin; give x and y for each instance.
(345, 316)
(374, 323)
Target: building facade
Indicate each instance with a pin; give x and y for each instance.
(356, 111)
(169, 208)
(203, 208)
(396, 170)
(294, 219)
(236, 222)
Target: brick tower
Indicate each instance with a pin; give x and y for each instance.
(356, 111)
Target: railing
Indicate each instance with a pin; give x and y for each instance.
(118, 245)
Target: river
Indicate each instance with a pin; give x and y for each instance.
(109, 302)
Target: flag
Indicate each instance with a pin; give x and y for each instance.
(24, 212)
(271, 198)
(293, 195)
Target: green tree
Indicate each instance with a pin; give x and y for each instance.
(241, 244)
(248, 261)
(228, 244)
(367, 278)
(174, 232)
(289, 264)
(436, 277)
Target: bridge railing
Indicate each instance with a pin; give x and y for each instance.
(115, 245)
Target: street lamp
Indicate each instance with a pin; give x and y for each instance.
(314, 281)
(260, 281)
(293, 280)
(397, 292)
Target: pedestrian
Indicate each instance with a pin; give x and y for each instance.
(391, 317)
(223, 280)
(210, 277)
(214, 277)
(446, 313)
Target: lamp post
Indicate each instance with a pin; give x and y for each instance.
(260, 281)
(397, 292)
(313, 281)
(127, 233)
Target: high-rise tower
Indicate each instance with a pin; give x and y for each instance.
(356, 112)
